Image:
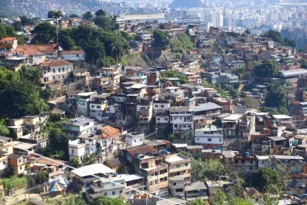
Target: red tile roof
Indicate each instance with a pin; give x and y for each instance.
(7, 39)
(109, 132)
(140, 149)
(55, 63)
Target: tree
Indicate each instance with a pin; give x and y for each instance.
(17, 26)
(100, 12)
(175, 74)
(4, 131)
(275, 35)
(41, 177)
(268, 200)
(102, 200)
(94, 51)
(267, 179)
(289, 42)
(161, 40)
(208, 169)
(24, 20)
(74, 16)
(22, 97)
(238, 201)
(276, 96)
(55, 14)
(32, 74)
(74, 162)
(44, 33)
(88, 16)
(219, 198)
(68, 43)
(267, 69)
(10, 31)
(250, 102)
(3, 33)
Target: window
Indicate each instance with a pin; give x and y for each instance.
(53, 70)
(174, 184)
(156, 105)
(179, 190)
(220, 140)
(121, 191)
(59, 69)
(113, 192)
(158, 119)
(178, 165)
(209, 139)
(162, 106)
(105, 193)
(186, 164)
(165, 118)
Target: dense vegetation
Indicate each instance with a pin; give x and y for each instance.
(58, 140)
(181, 44)
(277, 97)
(6, 11)
(268, 180)
(266, 69)
(98, 43)
(276, 36)
(174, 74)
(161, 40)
(21, 92)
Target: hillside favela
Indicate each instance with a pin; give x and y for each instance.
(153, 102)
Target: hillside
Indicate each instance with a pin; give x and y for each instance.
(6, 10)
(41, 7)
(186, 4)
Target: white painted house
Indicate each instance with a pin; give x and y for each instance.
(78, 126)
(55, 71)
(209, 136)
(74, 55)
(134, 139)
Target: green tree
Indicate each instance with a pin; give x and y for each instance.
(75, 162)
(276, 96)
(55, 14)
(102, 200)
(94, 51)
(24, 20)
(250, 102)
(208, 169)
(268, 200)
(161, 40)
(4, 131)
(174, 74)
(74, 16)
(32, 74)
(275, 35)
(100, 13)
(17, 26)
(219, 198)
(267, 179)
(238, 201)
(289, 42)
(267, 69)
(10, 31)
(44, 33)
(3, 33)
(68, 43)
(22, 97)
(88, 16)
(41, 177)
